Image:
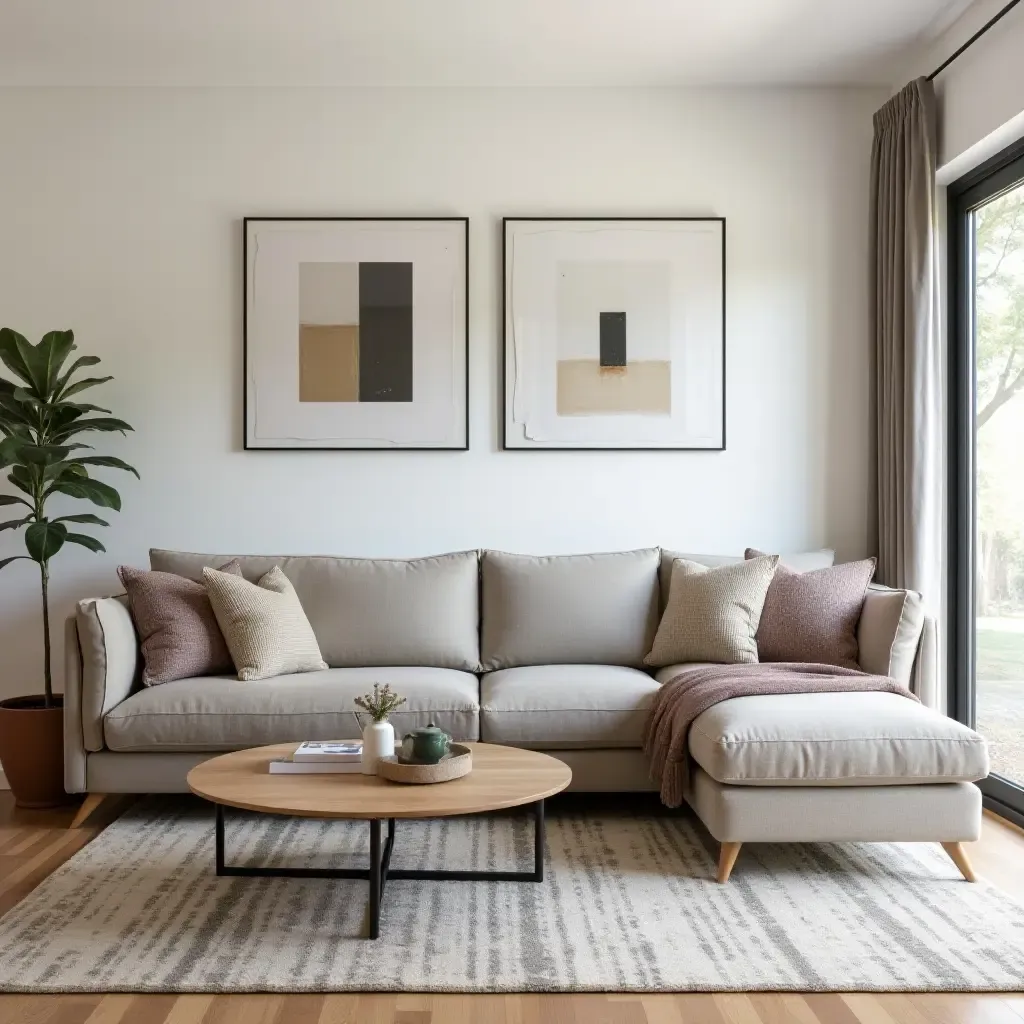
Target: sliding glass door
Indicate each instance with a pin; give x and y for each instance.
(987, 442)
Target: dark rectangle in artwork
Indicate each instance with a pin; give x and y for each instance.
(613, 339)
(385, 332)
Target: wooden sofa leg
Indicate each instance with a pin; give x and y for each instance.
(726, 859)
(958, 855)
(89, 804)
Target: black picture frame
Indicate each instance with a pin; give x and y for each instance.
(506, 221)
(246, 446)
(1002, 172)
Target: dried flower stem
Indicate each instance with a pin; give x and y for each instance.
(379, 704)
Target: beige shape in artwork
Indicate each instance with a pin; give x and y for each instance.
(328, 362)
(585, 388)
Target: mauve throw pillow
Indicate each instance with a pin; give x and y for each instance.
(813, 616)
(178, 631)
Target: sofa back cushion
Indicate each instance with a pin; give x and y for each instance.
(372, 611)
(799, 561)
(568, 609)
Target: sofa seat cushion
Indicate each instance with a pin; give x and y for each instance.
(834, 739)
(565, 706)
(220, 713)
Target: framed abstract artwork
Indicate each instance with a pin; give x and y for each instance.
(614, 333)
(356, 333)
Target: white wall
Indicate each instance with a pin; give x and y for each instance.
(981, 94)
(120, 217)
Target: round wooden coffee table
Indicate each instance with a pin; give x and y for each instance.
(501, 777)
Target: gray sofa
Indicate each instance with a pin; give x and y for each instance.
(547, 653)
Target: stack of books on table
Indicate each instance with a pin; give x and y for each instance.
(322, 757)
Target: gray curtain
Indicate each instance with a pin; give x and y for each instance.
(907, 342)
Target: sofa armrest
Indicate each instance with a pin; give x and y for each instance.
(925, 682)
(110, 662)
(889, 632)
(74, 742)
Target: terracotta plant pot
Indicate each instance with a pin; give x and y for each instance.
(32, 750)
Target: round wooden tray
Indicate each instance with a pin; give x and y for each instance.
(456, 763)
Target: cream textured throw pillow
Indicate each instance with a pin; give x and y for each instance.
(265, 628)
(712, 614)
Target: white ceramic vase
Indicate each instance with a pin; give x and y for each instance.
(378, 742)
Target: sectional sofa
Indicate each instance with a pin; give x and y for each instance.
(547, 653)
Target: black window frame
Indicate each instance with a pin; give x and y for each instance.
(1001, 173)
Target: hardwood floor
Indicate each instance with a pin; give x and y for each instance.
(34, 843)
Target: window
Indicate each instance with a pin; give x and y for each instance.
(986, 269)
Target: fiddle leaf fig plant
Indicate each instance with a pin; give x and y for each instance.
(39, 430)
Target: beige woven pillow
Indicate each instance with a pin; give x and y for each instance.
(712, 614)
(265, 628)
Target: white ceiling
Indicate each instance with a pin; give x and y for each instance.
(462, 42)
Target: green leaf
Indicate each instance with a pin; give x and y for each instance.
(81, 385)
(95, 491)
(25, 397)
(82, 517)
(61, 419)
(15, 351)
(76, 365)
(14, 411)
(62, 470)
(104, 460)
(44, 539)
(43, 454)
(85, 541)
(21, 477)
(82, 407)
(37, 365)
(13, 558)
(12, 499)
(9, 448)
(13, 524)
(54, 350)
(78, 426)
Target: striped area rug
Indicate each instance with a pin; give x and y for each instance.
(628, 904)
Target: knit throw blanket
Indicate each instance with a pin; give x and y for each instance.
(686, 696)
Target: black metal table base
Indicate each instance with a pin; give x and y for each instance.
(380, 871)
